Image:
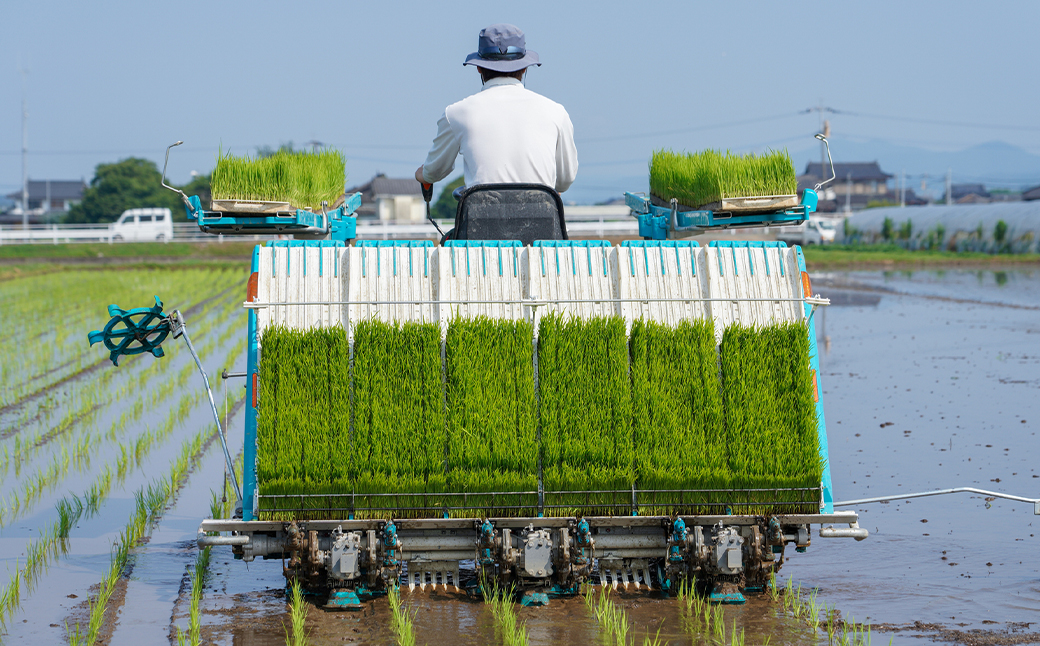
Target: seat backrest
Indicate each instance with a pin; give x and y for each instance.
(524, 212)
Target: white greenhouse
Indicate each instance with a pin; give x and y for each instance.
(997, 227)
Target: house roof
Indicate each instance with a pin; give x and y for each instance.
(859, 171)
(963, 190)
(382, 185)
(59, 190)
(1031, 193)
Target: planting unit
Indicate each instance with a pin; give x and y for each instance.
(568, 420)
(548, 415)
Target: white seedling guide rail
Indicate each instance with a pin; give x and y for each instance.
(303, 287)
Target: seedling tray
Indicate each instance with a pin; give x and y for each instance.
(251, 206)
(739, 205)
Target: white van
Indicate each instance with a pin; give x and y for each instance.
(143, 224)
(812, 231)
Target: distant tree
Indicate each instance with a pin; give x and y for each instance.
(445, 206)
(906, 230)
(267, 151)
(1000, 231)
(886, 229)
(127, 184)
(199, 185)
(847, 229)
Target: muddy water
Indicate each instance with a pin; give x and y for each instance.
(59, 596)
(929, 380)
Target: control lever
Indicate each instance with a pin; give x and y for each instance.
(427, 193)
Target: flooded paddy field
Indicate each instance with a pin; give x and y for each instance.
(929, 379)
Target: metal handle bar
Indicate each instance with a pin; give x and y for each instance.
(943, 492)
(828, 146)
(163, 179)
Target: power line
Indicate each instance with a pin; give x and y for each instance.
(716, 126)
(934, 122)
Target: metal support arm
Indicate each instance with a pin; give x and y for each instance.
(177, 328)
(942, 492)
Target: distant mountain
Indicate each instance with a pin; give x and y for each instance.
(996, 164)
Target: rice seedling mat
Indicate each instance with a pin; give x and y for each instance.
(650, 414)
(711, 180)
(281, 182)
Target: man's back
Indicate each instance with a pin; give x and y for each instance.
(509, 134)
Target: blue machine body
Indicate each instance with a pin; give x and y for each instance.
(339, 223)
(661, 222)
(752, 248)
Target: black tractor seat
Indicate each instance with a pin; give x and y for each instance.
(524, 212)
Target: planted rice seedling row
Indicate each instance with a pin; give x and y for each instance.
(20, 502)
(65, 303)
(70, 509)
(654, 411)
(150, 502)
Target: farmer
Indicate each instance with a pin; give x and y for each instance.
(506, 133)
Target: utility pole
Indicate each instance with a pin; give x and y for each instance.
(848, 193)
(25, 150)
(949, 186)
(902, 187)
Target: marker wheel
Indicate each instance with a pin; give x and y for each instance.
(135, 331)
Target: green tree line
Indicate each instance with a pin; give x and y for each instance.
(132, 183)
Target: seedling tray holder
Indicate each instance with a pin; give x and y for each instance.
(661, 223)
(273, 218)
(256, 217)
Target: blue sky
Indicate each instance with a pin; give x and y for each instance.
(109, 80)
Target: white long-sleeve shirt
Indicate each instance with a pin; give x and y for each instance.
(507, 134)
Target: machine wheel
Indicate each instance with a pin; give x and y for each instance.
(117, 238)
(161, 237)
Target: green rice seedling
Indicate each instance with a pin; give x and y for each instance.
(399, 430)
(718, 623)
(774, 592)
(699, 179)
(771, 426)
(813, 611)
(304, 179)
(401, 619)
(69, 513)
(585, 414)
(500, 600)
(198, 576)
(677, 416)
(652, 641)
(831, 615)
(735, 638)
(612, 619)
(297, 617)
(303, 412)
(491, 426)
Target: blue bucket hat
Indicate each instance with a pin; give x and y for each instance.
(502, 48)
